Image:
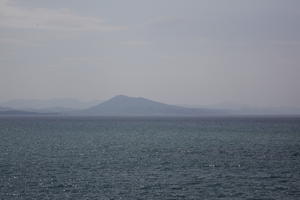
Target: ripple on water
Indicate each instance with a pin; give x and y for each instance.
(149, 159)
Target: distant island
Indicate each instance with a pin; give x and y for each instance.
(11, 111)
(122, 105)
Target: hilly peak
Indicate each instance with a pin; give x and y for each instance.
(126, 100)
(122, 105)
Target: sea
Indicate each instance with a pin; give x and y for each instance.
(255, 157)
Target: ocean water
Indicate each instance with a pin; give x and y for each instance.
(149, 158)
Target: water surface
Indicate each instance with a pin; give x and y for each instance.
(149, 158)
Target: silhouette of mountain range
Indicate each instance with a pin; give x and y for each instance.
(122, 105)
(48, 105)
(11, 111)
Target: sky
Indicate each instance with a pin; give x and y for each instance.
(192, 52)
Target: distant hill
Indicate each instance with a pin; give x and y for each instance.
(17, 112)
(4, 109)
(48, 105)
(244, 109)
(57, 110)
(122, 105)
(7, 111)
(137, 106)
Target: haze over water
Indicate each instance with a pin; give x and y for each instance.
(149, 158)
(192, 52)
(60, 59)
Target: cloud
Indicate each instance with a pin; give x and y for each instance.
(135, 43)
(47, 19)
(163, 20)
(13, 41)
(84, 60)
(286, 42)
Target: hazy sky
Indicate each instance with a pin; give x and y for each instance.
(174, 51)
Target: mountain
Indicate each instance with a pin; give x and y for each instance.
(17, 112)
(6, 111)
(50, 105)
(243, 109)
(122, 105)
(54, 110)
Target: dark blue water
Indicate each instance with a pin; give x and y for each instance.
(149, 158)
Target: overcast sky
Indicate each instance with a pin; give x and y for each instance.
(176, 51)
